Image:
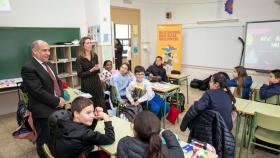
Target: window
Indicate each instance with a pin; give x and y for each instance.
(122, 32)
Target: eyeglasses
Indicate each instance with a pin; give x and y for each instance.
(140, 74)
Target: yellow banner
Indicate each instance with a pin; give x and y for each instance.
(169, 45)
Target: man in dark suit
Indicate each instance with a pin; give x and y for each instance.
(44, 91)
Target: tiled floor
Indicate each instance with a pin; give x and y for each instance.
(12, 148)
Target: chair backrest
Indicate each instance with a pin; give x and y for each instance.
(267, 121)
(273, 100)
(54, 125)
(47, 151)
(114, 94)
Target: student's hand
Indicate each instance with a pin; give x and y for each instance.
(93, 69)
(103, 115)
(130, 73)
(132, 103)
(61, 102)
(267, 82)
(136, 103)
(98, 109)
(97, 67)
(151, 75)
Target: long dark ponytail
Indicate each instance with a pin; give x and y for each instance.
(147, 128)
(222, 80)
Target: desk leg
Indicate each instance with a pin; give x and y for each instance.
(164, 111)
(178, 105)
(238, 119)
(243, 136)
(187, 82)
(237, 126)
(251, 123)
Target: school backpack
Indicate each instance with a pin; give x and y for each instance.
(181, 101)
(205, 84)
(55, 122)
(26, 128)
(174, 81)
(196, 83)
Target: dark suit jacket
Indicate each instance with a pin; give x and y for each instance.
(39, 86)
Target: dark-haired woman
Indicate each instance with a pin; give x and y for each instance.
(218, 98)
(147, 142)
(88, 69)
(118, 53)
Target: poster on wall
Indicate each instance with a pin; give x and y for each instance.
(5, 5)
(169, 45)
(94, 33)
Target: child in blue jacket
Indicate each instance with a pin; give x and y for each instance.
(218, 98)
(272, 87)
(241, 81)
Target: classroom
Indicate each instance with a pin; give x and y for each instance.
(163, 65)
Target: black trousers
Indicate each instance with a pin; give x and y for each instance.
(41, 126)
(118, 60)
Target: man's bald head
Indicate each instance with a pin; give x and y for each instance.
(41, 50)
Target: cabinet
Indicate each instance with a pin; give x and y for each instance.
(63, 57)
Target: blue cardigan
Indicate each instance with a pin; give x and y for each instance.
(268, 91)
(246, 88)
(217, 100)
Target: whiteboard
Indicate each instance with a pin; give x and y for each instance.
(216, 47)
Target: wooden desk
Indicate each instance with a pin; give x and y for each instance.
(123, 128)
(182, 78)
(249, 111)
(166, 90)
(268, 109)
(241, 104)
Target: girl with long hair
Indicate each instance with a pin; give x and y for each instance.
(241, 81)
(147, 141)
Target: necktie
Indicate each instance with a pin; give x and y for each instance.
(55, 83)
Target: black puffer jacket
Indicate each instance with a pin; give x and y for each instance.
(130, 147)
(157, 71)
(208, 126)
(76, 138)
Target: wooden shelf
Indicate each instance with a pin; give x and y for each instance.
(61, 56)
(64, 57)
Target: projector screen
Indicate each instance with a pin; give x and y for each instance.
(262, 50)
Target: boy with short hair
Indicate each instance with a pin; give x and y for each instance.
(272, 87)
(140, 90)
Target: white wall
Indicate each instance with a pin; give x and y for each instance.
(188, 12)
(42, 13)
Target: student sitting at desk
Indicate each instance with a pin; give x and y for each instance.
(78, 136)
(121, 80)
(147, 142)
(147, 94)
(241, 81)
(107, 73)
(156, 71)
(272, 87)
(218, 98)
